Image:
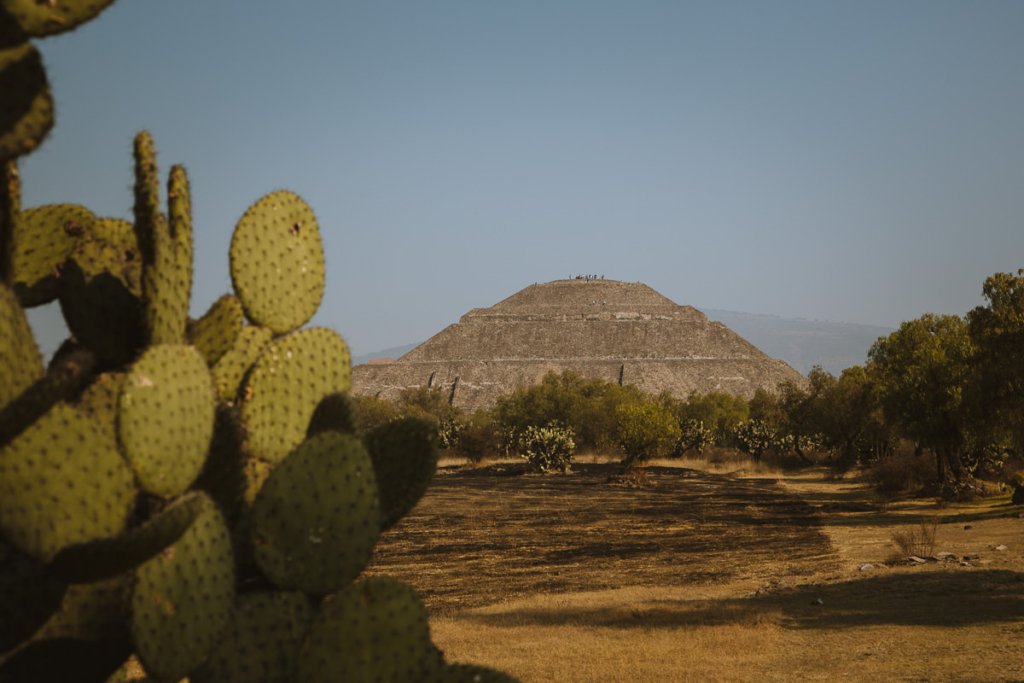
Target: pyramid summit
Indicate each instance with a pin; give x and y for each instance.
(622, 332)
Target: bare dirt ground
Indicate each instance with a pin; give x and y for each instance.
(705, 575)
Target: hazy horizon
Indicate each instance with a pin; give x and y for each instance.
(856, 162)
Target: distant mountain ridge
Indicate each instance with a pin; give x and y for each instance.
(802, 343)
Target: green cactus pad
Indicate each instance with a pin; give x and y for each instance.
(20, 362)
(10, 207)
(147, 197)
(288, 381)
(165, 417)
(183, 598)
(43, 239)
(167, 279)
(223, 476)
(229, 371)
(262, 643)
(47, 18)
(335, 412)
(62, 482)
(28, 594)
(99, 400)
(109, 557)
(277, 262)
(26, 109)
(64, 378)
(316, 518)
(375, 630)
(100, 290)
(470, 673)
(404, 454)
(216, 332)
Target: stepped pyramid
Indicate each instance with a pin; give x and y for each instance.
(622, 332)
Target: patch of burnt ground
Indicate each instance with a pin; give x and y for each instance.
(479, 537)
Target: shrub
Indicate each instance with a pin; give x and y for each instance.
(372, 412)
(478, 436)
(902, 472)
(919, 542)
(1017, 482)
(547, 448)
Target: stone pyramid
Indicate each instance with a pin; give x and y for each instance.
(622, 332)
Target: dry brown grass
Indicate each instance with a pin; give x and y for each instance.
(918, 542)
(704, 576)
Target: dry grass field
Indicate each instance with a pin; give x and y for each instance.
(695, 573)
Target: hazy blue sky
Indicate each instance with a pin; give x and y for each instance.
(858, 161)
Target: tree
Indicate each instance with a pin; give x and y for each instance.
(646, 429)
(997, 330)
(850, 417)
(587, 406)
(921, 371)
(718, 411)
(800, 421)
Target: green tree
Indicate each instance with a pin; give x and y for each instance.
(587, 406)
(850, 418)
(921, 371)
(997, 330)
(718, 411)
(646, 429)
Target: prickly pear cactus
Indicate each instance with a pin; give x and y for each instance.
(188, 498)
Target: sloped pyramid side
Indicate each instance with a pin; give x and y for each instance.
(616, 331)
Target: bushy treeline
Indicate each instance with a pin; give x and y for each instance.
(946, 387)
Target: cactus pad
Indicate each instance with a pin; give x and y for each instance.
(108, 557)
(167, 279)
(183, 598)
(404, 454)
(64, 378)
(335, 412)
(47, 18)
(62, 482)
(375, 630)
(215, 333)
(262, 642)
(277, 262)
(288, 381)
(100, 286)
(229, 371)
(165, 418)
(316, 518)
(43, 239)
(223, 475)
(26, 109)
(20, 362)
